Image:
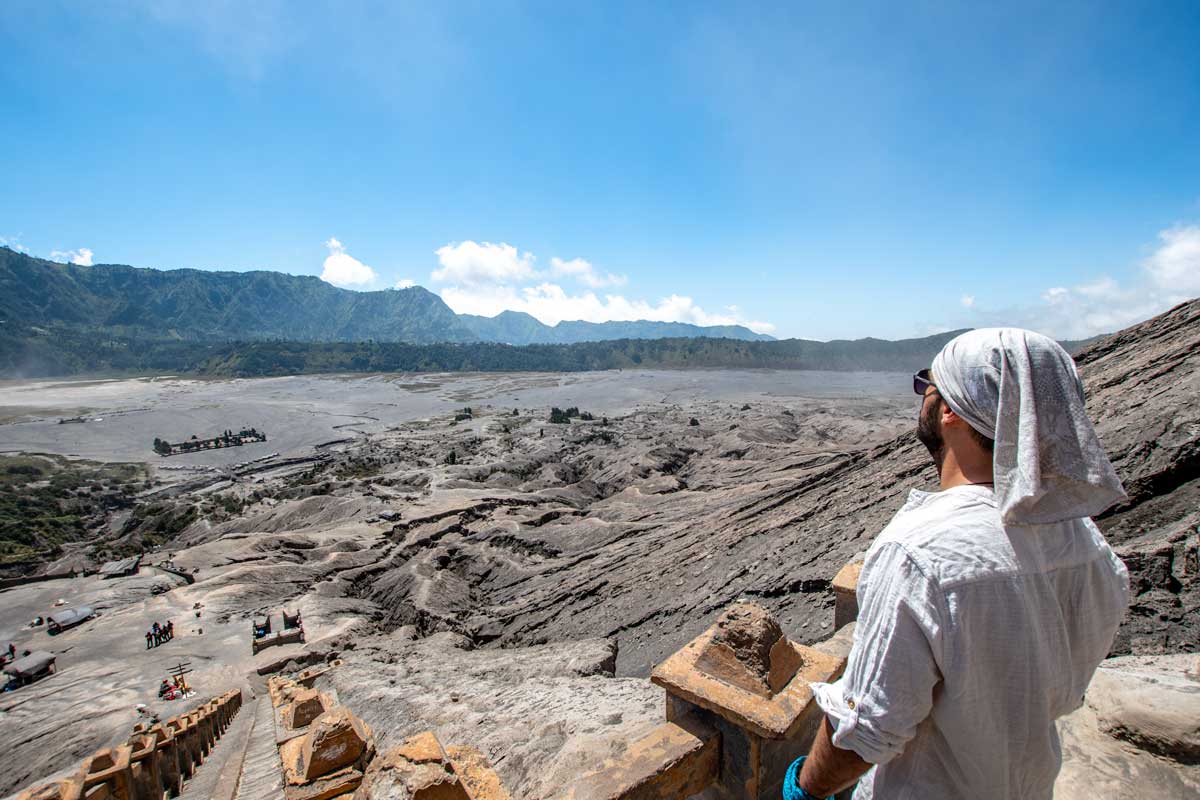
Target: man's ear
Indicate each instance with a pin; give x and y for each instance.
(948, 415)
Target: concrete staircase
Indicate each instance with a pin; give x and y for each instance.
(261, 774)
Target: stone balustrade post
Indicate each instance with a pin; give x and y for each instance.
(745, 679)
(147, 782)
(108, 774)
(187, 756)
(155, 761)
(70, 788)
(845, 593)
(204, 735)
(229, 708)
(212, 710)
(168, 750)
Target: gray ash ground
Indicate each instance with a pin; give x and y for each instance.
(537, 571)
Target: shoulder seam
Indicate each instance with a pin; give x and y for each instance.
(939, 592)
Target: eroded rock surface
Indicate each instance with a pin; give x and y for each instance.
(485, 577)
(1137, 733)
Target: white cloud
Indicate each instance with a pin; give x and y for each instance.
(1167, 277)
(405, 283)
(551, 304)
(13, 243)
(82, 256)
(1175, 265)
(968, 301)
(583, 271)
(487, 278)
(343, 269)
(474, 263)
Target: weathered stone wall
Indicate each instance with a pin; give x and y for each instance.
(327, 752)
(154, 763)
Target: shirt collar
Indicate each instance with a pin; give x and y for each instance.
(981, 491)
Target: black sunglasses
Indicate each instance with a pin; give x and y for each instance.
(922, 381)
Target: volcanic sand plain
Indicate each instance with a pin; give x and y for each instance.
(502, 580)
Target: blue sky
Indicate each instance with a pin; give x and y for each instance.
(822, 171)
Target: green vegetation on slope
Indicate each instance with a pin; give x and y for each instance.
(130, 303)
(48, 501)
(112, 300)
(30, 353)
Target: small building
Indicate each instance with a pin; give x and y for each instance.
(27, 669)
(59, 621)
(118, 569)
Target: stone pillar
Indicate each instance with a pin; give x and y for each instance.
(329, 759)
(745, 679)
(110, 767)
(421, 769)
(845, 593)
(213, 711)
(147, 782)
(306, 705)
(70, 788)
(203, 726)
(187, 753)
(167, 749)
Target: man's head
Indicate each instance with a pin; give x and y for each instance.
(940, 429)
(1019, 391)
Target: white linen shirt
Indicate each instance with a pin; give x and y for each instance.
(972, 639)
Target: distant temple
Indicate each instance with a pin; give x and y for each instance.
(194, 445)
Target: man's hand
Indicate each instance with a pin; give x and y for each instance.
(830, 769)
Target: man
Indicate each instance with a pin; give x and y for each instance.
(984, 607)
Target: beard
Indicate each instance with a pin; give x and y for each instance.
(929, 432)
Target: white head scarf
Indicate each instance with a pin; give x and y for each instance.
(1021, 389)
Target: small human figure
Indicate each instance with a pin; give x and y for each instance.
(12, 652)
(149, 640)
(170, 629)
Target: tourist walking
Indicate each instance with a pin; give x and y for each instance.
(985, 607)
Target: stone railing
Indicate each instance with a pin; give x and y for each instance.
(326, 752)
(155, 761)
(739, 709)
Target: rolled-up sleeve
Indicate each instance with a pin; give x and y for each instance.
(894, 663)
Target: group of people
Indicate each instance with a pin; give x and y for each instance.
(159, 634)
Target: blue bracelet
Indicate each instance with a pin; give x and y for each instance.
(791, 784)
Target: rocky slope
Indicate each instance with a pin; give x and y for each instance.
(514, 564)
(642, 530)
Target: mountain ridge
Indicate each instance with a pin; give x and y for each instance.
(520, 328)
(219, 305)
